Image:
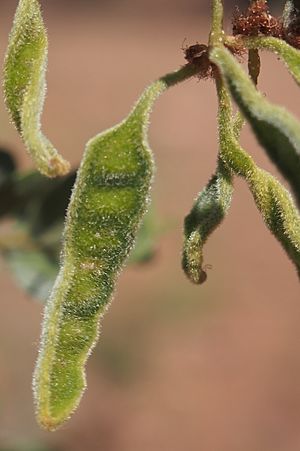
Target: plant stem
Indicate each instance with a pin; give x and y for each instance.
(182, 74)
(217, 34)
(285, 51)
(254, 65)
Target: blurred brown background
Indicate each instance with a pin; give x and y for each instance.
(178, 367)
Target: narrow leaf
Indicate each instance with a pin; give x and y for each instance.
(276, 129)
(108, 202)
(34, 271)
(25, 85)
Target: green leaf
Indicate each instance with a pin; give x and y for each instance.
(34, 271)
(276, 129)
(36, 201)
(44, 202)
(34, 262)
(108, 202)
(25, 85)
(33, 244)
(145, 247)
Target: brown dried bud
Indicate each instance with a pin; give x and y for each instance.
(197, 54)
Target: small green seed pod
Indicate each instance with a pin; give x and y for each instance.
(272, 200)
(278, 211)
(211, 205)
(25, 86)
(208, 212)
(108, 202)
(276, 129)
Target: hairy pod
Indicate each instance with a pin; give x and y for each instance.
(25, 86)
(207, 213)
(272, 200)
(108, 202)
(275, 128)
(278, 211)
(211, 205)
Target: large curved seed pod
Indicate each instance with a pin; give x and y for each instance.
(108, 202)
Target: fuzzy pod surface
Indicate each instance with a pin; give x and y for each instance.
(108, 202)
(277, 130)
(25, 86)
(208, 211)
(273, 201)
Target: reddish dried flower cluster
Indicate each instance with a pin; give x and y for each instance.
(197, 54)
(257, 20)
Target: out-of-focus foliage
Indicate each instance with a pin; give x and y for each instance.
(36, 207)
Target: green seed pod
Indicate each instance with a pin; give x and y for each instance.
(208, 212)
(109, 199)
(211, 205)
(278, 211)
(25, 85)
(276, 129)
(272, 200)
